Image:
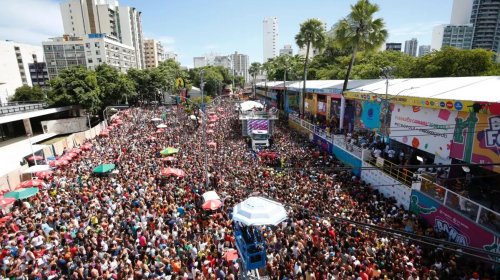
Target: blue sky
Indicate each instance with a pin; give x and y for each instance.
(195, 27)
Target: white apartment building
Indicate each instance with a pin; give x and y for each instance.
(82, 17)
(271, 35)
(171, 55)
(14, 66)
(240, 65)
(89, 51)
(423, 50)
(286, 50)
(199, 61)
(153, 53)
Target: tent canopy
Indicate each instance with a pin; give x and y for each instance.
(258, 211)
(249, 105)
(210, 195)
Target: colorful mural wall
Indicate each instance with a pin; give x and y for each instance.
(367, 115)
(476, 139)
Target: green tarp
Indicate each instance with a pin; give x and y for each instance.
(169, 151)
(22, 193)
(104, 168)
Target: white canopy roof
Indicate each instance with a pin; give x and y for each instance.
(249, 105)
(210, 195)
(482, 89)
(258, 211)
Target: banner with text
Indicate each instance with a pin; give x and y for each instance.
(429, 130)
(476, 139)
(459, 229)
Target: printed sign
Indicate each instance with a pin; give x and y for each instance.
(459, 229)
(476, 139)
(367, 115)
(425, 129)
(257, 125)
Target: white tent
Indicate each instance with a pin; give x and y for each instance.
(36, 168)
(258, 211)
(249, 105)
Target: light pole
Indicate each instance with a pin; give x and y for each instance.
(387, 74)
(204, 119)
(31, 146)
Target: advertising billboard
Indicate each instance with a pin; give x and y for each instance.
(367, 115)
(429, 130)
(257, 125)
(459, 229)
(476, 139)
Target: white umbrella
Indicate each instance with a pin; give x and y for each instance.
(192, 117)
(36, 168)
(156, 119)
(258, 211)
(210, 195)
(161, 126)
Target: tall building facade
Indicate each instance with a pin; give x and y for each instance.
(153, 53)
(240, 65)
(271, 35)
(199, 61)
(89, 52)
(15, 59)
(485, 17)
(423, 50)
(286, 50)
(39, 74)
(458, 36)
(170, 55)
(393, 47)
(411, 47)
(122, 23)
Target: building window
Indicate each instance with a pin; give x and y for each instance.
(89, 60)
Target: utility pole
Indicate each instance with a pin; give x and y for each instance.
(386, 74)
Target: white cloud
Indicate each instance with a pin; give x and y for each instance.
(30, 21)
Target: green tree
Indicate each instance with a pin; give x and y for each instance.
(214, 78)
(27, 93)
(359, 31)
(253, 70)
(115, 87)
(76, 85)
(311, 35)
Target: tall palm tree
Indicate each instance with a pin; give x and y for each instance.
(311, 35)
(253, 70)
(359, 31)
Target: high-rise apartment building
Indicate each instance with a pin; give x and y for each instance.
(271, 35)
(485, 17)
(122, 23)
(153, 53)
(240, 65)
(411, 47)
(39, 73)
(393, 47)
(89, 51)
(286, 50)
(423, 50)
(170, 55)
(14, 66)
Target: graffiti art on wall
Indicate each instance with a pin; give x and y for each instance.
(476, 139)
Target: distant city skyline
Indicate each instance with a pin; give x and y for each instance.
(191, 28)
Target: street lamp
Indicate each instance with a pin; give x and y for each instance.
(31, 146)
(204, 120)
(386, 73)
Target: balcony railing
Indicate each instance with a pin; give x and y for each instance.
(20, 107)
(466, 207)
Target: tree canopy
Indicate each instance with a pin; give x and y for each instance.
(27, 93)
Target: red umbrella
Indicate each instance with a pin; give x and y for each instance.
(231, 255)
(44, 174)
(160, 130)
(30, 183)
(58, 163)
(72, 155)
(210, 131)
(172, 172)
(169, 159)
(104, 133)
(76, 150)
(4, 201)
(87, 147)
(213, 204)
(66, 157)
(211, 125)
(6, 218)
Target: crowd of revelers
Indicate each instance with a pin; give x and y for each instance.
(136, 224)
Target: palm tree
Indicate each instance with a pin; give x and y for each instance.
(359, 31)
(253, 70)
(311, 35)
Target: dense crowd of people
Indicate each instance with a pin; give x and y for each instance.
(138, 224)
